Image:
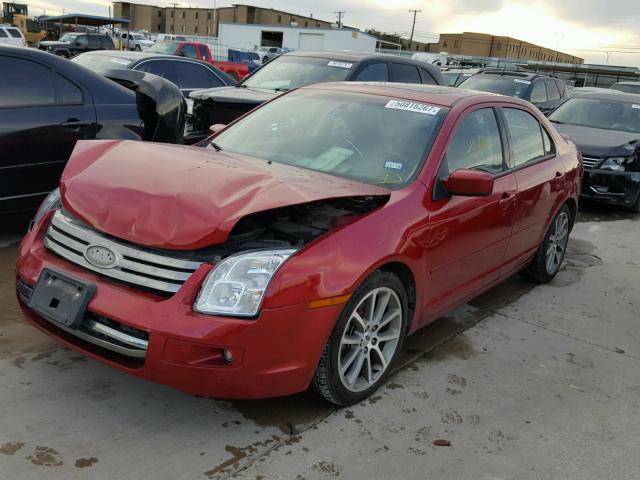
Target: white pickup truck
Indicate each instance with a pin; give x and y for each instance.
(134, 41)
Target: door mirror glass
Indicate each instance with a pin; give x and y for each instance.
(469, 183)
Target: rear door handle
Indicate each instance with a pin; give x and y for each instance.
(72, 124)
(506, 198)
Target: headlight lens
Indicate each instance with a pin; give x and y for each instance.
(616, 163)
(237, 284)
(50, 203)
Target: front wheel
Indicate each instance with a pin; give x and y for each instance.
(552, 250)
(137, 48)
(365, 341)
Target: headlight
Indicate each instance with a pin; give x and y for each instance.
(616, 163)
(237, 284)
(50, 203)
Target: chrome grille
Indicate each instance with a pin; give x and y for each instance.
(136, 267)
(591, 162)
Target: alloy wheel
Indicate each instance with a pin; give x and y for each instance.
(557, 244)
(370, 339)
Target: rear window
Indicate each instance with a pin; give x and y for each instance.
(503, 84)
(14, 32)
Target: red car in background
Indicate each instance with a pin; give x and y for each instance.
(201, 51)
(303, 243)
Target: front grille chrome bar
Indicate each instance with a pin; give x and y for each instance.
(135, 266)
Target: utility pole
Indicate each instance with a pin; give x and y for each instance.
(340, 13)
(214, 32)
(173, 28)
(415, 12)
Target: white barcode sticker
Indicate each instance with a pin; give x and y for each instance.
(412, 107)
(526, 82)
(121, 61)
(635, 105)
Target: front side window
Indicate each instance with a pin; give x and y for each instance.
(368, 138)
(525, 136)
(3, 33)
(189, 51)
(476, 144)
(552, 90)
(405, 73)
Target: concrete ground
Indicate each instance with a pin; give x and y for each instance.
(526, 382)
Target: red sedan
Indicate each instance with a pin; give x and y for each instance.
(303, 243)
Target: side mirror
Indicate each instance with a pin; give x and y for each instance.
(469, 183)
(213, 129)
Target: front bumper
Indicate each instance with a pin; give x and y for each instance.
(273, 355)
(607, 186)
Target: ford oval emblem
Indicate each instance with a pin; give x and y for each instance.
(101, 257)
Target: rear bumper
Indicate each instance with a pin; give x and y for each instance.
(615, 188)
(273, 355)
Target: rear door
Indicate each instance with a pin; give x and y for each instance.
(539, 175)
(42, 115)
(468, 236)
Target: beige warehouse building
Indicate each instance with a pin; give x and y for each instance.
(202, 21)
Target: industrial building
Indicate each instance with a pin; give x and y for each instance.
(204, 21)
(251, 37)
(485, 45)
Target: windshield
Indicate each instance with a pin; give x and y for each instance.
(599, 113)
(288, 72)
(69, 37)
(626, 87)
(369, 138)
(100, 63)
(164, 47)
(450, 78)
(505, 85)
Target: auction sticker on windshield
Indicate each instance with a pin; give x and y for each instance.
(526, 82)
(412, 107)
(340, 64)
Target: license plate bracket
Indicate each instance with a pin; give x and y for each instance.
(60, 298)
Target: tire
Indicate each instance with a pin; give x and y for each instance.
(636, 206)
(552, 250)
(359, 352)
(137, 48)
(265, 59)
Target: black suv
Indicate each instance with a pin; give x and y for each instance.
(543, 91)
(71, 44)
(296, 69)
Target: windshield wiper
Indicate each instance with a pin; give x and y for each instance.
(281, 89)
(216, 147)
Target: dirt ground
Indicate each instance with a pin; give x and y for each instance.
(523, 382)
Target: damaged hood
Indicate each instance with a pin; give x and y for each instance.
(235, 94)
(184, 198)
(597, 142)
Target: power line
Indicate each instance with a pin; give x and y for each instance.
(415, 12)
(340, 13)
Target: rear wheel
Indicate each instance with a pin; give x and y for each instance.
(364, 342)
(636, 206)
(552, 250)
(137, 48)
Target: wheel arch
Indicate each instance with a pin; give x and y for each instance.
(406, 277)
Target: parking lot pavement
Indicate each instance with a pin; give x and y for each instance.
(524, 383)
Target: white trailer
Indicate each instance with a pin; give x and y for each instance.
(252, 37)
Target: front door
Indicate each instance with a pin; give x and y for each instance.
(468, 236)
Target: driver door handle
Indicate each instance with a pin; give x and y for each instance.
(506, 198)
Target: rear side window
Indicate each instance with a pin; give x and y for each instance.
(24, 83)
(376, 72)
(404, 73)
(204, 53)
(94, 42)
(552, 90)
(162, 68)
(3, 34)
(14, 32)
(539, 92)
(476, 144)
(525, 136)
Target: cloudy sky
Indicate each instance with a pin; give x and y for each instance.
(592, 29)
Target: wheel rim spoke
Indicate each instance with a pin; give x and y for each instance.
(370, 339)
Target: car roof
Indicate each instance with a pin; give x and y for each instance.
(513, 73)
(615, 95)
(136, 56)
(627, 83)
(355, 57)
(438, 95)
